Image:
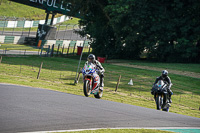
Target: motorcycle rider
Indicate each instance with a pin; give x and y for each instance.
(100, 71)
(164, 76)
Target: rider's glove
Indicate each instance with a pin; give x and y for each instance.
(81, 70)
(171, 92)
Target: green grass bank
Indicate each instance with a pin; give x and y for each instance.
(13, 9)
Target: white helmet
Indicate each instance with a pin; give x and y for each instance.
(91, 58)
(164, 73)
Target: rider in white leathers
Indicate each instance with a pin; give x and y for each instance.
(99, 67)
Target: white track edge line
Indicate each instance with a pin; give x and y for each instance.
(74, 130)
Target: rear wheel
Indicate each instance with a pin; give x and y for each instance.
(99, 94)
(86, 88)
(158, 102)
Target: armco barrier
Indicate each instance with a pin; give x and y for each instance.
(59, 42)
(2, 38)
(9, 39)
(19, 40)
(63, 43)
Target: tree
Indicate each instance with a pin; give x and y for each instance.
(168, 30)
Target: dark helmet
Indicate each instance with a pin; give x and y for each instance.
(91, 58)
(164, 73)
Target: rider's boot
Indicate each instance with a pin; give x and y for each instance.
(170, 94)
(101, 83)
(170, 100)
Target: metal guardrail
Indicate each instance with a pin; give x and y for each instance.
(13, 26)
(46, 50)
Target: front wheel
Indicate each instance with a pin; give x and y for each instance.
(166, 109)
(158, 102)
(99, 94)
(86, 88)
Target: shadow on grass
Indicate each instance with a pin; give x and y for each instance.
(72, 84)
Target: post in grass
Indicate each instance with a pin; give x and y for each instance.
(118, 83)
(20, 68)
(77, 80)
(180, 99)
(0, 59)
(39, 70)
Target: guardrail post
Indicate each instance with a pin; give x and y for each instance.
(74, 48)
(41, 51)
(68, 49)
(0, 59)
(4, 26)
(14, 25)
(63, 48)
(52, 50)
(48, 51)
(30, 28)
(23, 27)
(58, 49)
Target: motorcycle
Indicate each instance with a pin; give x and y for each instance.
(91, 81)
(161, 96)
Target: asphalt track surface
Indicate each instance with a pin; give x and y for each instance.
(63, 35)
(20, 52)
(27, 109)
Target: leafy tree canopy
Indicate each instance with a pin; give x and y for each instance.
(166, 30)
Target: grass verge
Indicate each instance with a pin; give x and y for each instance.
(122, 131)
(13, 9)
(174, 66)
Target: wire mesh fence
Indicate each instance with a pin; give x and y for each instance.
(46, 50)
(17, 26)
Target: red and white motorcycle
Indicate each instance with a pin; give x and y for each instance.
(91, 81)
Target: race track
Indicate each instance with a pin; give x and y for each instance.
(62, 35)
(27, 109)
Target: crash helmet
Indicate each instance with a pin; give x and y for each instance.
(164, 73)
(91, 58)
